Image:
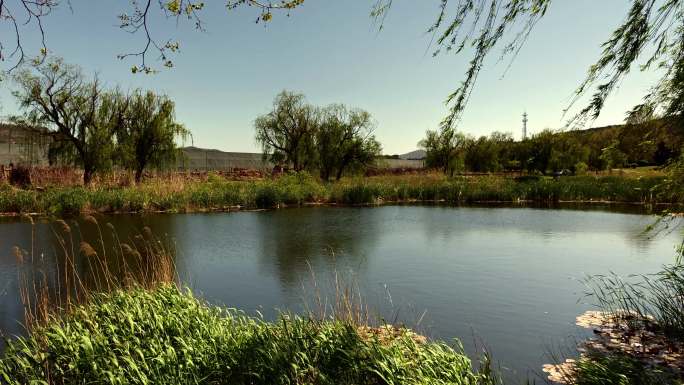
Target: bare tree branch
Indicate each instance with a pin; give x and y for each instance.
(19, 14)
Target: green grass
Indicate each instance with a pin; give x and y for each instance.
(650, 303)
(296, 189)
(657, 297)
(165, 336)
(618, 369)
(499, 189)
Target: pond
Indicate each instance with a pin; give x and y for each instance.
(503, 277)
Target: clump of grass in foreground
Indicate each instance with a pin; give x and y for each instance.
(651, 301)
(165, 336)
(638, 332)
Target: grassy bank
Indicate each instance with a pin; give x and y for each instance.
(216, 193)
(164, 336)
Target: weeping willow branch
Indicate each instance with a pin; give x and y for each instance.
(651, 37)
(652, 32)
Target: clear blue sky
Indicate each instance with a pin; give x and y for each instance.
(330, 51)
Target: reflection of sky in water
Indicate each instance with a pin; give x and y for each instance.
(507, 276)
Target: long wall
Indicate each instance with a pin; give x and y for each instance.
(21, 145)
(201, 159)
(400, 163)
(28, 146)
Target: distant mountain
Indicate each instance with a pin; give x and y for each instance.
(413, 155)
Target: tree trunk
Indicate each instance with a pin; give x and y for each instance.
(138, 175)
(339, 173)
(325, 175)
(295, 163)
(87, 175)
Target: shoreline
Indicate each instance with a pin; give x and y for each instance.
(416, 203)
(304, 190)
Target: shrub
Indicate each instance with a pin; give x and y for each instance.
(20, 176)
(67, 201)
(266, 196)
(581, 168)
(298, 188)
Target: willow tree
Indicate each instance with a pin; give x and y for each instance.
(344, 140)
(286, 133)
(149, 135)
(445, 149)
(82, 116)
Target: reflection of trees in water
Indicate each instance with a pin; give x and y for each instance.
(294, 241)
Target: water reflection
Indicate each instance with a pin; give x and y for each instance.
(507, 275)
(293, 242)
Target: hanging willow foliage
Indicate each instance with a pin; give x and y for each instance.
(651, 36)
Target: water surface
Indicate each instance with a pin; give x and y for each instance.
(505, 277)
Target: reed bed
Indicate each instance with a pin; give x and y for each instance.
(83, 267)
(218, 193)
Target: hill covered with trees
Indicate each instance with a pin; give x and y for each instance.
(647, 142)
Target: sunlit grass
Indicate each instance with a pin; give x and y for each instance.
(166, 336)
(217, 193)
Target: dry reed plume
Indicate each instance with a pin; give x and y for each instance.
(82, 268)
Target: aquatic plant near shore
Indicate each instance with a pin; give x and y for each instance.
(84, 267)
(217, 193)
(625, 349)
(608, 369)
(638, 332)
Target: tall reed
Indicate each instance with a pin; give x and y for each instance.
(85, 267)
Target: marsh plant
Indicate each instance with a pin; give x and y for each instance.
(638, 331)
(652, 301)
(215, 193)
(84, 267)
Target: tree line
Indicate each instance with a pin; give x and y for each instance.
(646, 141)
(330, 140)
(95, 127)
